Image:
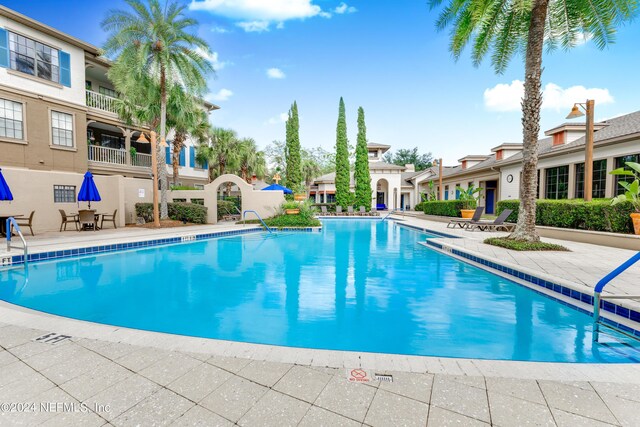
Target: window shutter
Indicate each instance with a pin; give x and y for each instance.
(192, 157)
(168, 151)
(4, 48)
(182, 157)
(65, 68)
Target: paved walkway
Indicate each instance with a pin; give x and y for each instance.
(87, 382)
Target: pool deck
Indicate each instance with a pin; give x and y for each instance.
(149, 378)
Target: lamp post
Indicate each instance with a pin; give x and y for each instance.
(440, 187)
(154, 171)
(588, 108)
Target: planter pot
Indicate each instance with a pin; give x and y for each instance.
(292, 211)
(300, 197)
(467, 213)
(635, 217)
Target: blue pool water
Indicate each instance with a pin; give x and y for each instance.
(363, 285)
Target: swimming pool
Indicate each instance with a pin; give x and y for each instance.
(361, 285)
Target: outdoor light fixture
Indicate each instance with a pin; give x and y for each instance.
(588, 108)
(142, 139)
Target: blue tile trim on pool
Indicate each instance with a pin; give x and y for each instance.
(607, 306)
(429, 231)
(67, 253)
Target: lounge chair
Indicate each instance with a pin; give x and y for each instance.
(26, 222)
(463, 222)
(66, 219)
(363, 211)
(339, 210)
(350, 210)
(324, 211)
(497, 224)
(109, 218)
(374, 212)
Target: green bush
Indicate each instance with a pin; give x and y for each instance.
(597, 215)
(419, 207)
(517, 245)
(183, 187)
(226, 207)
(292, 221)
(445, 207)
(190, 212)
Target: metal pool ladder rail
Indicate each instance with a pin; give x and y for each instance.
(244, 215)
(597, 296)
(12, 226)
(390, 213)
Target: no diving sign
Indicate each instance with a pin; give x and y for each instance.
(359, 375)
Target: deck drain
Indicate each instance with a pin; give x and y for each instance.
(52, 338)
(386, 378)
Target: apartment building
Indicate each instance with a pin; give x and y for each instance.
(58, 119)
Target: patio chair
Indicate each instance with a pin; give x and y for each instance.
(363, 211)
(26, 222)
(497, 224)
(109, 218)
(87, 218)
(463, 222)
(67, 219)
(339, 210)
(324, 211)
(350, 211)
(374, 212)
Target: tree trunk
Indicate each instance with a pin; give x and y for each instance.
(531, 104)
(178, 143)
(162, 169)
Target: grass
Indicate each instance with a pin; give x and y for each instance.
(518, 245)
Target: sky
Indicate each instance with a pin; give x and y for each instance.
(386, 57)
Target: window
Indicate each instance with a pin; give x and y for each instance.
(470, 184)
(62, 129)
(197, 201)
(88, 85)
(64, 193)
(11, 125)
(446, 192)
(620, 163)
(557, 183)
(34, 58)
(599, 179)
(112, 141)
(109, 92)
(331, 198)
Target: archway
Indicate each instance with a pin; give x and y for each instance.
(382, 194)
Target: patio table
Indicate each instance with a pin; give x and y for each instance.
(3, 223)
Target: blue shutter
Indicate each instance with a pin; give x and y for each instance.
(205, 166)
(4, 48)
(65, 68)
(182, 157)
(168, 151)
(192, 157)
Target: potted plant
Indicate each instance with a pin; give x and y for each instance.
(631, 193)
(469, 198)
(291, 208)
(299, 193)
(133, 153)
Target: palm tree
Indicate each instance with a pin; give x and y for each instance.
(221, 153)
(154, 43)
(310, 170)
(250, 160)
(505, 27)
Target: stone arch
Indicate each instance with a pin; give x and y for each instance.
(382, 185)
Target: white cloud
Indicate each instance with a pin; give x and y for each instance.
(281, 118)
(344, 8)
(212, 57)
(508, 97)
(258, 15)
(221, 95)
(275, 73)
(325, 14)
(219, 30)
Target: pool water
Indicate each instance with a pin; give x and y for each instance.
(362, 285)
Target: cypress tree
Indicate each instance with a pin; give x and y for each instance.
(362, 176)
(293, 160)
(343, 194)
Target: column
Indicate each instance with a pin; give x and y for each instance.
(610, 186)
(571, 194)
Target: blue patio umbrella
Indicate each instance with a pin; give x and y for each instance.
(88, 192)
(5, 193)
(275, 187)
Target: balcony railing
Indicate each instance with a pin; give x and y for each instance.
(118, 157)
(101, 102)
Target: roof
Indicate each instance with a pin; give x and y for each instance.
(385, 165)
(331, 177)
(376, 145)
(572, 126)
(507, 146)
(409, 175)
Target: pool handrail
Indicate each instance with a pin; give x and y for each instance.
(392, 212)
(244, 215)
(12, 226)
(597, 291)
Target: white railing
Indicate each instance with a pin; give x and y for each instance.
(101, 102)
(107, 155)
(141, 160)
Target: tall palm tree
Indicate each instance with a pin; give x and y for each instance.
(221, 153)
(153, 40)
(507, 27)
(250, 160)
(310, 170)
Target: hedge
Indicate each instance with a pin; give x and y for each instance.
(190, 212)
(597, 215)
(226, 207)
(444, 207)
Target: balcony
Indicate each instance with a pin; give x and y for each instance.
(101, 102)
(117, 160)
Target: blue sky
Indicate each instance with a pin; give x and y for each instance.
(383, 56)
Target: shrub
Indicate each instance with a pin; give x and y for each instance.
(226, 207)
(292, 221)
(419, 207)
(597, 215)
(517, 245)
(445, 207)
(189, 212)
(183, 187)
